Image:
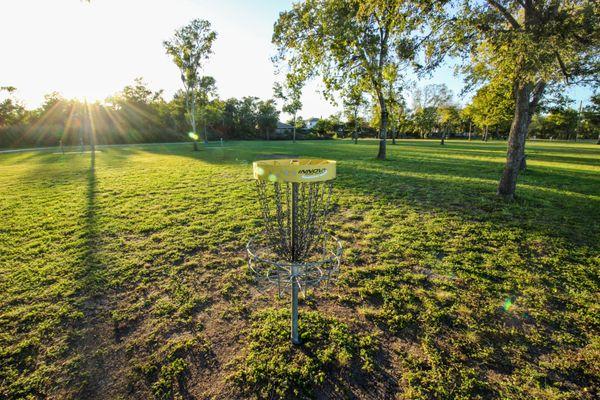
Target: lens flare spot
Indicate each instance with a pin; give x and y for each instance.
(272, 178)
(260, 171)
(193, 135)
(508, 304)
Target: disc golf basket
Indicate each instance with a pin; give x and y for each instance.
(294, 252)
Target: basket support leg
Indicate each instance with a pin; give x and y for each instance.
(294, 335)
(294, 268)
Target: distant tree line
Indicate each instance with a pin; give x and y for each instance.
(138, 114)
(134, 115)
(435, 114)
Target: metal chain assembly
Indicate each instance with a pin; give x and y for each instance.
(294, 252)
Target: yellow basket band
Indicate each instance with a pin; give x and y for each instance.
(294, 170)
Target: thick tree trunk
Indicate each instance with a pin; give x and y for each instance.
(294, 129)
(393, 136)
(193, 119)
(381, 155)
(598, 141)
(470, 126)
(523, 165)
(516, 143)
(355, 133)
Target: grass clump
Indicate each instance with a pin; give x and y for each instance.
(166, 370)
(274, 368)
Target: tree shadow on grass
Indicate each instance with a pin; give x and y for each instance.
(553, 201)
(93, 287)
(94, 337)
(550, 212)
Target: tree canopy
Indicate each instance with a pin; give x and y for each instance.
(189, 47)
(343, 42)
(531, 44)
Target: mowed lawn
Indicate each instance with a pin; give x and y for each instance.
(131, 281)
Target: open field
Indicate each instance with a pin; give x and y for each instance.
(131, 281)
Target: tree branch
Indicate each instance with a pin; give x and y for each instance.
(536, 93)
(563, 68)
(507, 15)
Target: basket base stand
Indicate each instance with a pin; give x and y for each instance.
(295, 289)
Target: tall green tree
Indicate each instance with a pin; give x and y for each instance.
(207, 90)
(290, 93)
(135, 111)
(467, 115)
(449, 119)
(591, 117)
(345, 41)
(492, 105)
(425, 120)
(395, 103)
(11, 110)
(530, 43)
(189, 48)
(267, 117)
(353, 101)
(427, 102)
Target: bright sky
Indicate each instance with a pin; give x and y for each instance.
(94, 49)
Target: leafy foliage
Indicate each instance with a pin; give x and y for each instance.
(527, 44)
(189, 48)
(350, 43)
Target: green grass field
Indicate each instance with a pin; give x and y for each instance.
(131, 282)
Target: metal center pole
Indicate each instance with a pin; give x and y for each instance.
(294, 271)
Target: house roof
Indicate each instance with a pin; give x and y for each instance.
(282, 125)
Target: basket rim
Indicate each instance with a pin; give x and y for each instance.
(298, 170)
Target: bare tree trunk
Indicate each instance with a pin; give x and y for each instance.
(516, 143)
(394, 136)
(205, 134)
(598, 141)
(192, 111)
(92, 137)
(523, 164)
(381, 155)
(470, 126)
(355, 133)
(578, 130)
(294, 129)
(443, 136)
